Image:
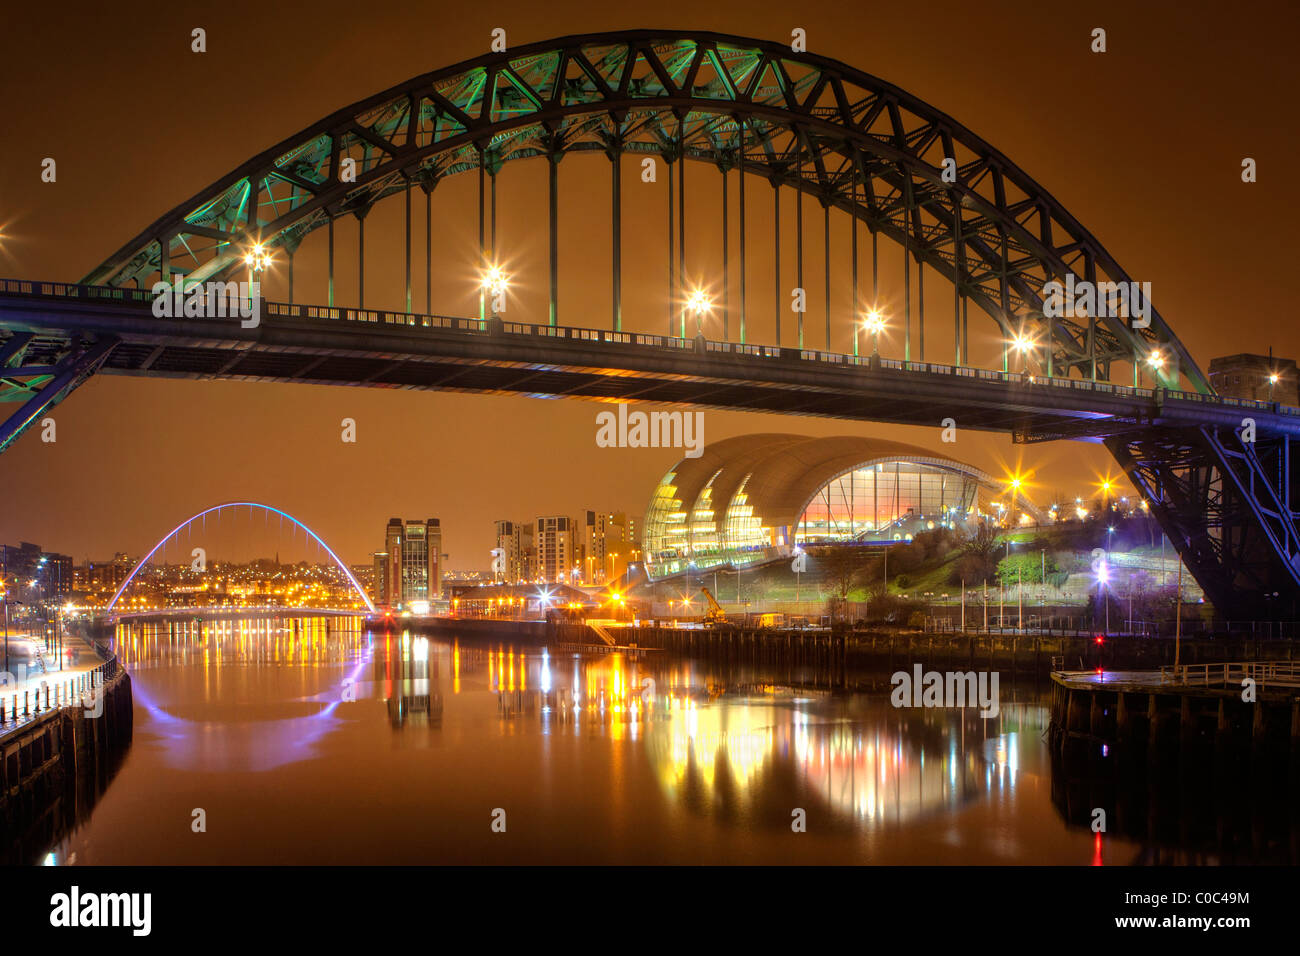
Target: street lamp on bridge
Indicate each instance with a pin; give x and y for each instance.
(258, 260)
(1156, 361)
(699, 303)
(875, 324)
(494, 282)
(1024, 344)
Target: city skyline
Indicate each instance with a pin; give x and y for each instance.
(246, 545)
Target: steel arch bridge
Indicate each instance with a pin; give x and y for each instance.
(802, 123)
(843, 138)
(239, 504)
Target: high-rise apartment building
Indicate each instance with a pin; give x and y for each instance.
(556, 548)
(518, 558)
(379, 586)
(38, 574)
(608, 543)
(56, 576)
(412, 565)
(557, 551)
(393, 570)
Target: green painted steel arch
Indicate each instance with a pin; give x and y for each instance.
(849, 139)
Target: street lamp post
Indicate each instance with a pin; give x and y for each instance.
(875, 324)
(258, 261)
(1020, 602)
(1157, 363)
(1023, 344)
(494, 282)
(700, 304)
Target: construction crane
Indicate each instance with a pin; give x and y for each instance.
(715, 615)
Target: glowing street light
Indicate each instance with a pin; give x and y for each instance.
(1107, 487)
(1273, 379)
(1024, 344)
(1156, 362)
(874, 323)
(494, 283)
(1103, 579)
(258, 260)
(495, 280)
(701, 304)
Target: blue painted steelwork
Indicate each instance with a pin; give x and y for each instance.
(236, 504)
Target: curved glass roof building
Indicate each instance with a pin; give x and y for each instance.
(754, 498)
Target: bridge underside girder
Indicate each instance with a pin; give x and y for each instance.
(1226, 505)
(40, 371)
(556, 362)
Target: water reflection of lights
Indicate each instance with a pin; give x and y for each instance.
(867, 766)
(546, 672)
(254, 745)
(309, 640)
(697, 739)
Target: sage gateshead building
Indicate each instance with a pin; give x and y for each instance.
(755, 498)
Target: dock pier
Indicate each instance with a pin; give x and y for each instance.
(1179, 712)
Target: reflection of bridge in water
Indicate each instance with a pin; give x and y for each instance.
(149, 639)
(224, 613)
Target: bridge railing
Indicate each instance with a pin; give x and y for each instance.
(377, 316)
(64, 290)
(68, 290)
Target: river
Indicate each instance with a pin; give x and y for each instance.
(314, 741)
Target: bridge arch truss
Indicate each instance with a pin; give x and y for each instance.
(842, 137)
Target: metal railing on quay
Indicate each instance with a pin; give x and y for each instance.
(52, 694)
(1271, 673)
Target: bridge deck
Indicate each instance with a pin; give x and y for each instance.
(362, 347)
